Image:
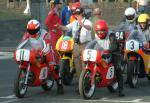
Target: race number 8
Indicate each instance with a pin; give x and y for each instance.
(64, 45)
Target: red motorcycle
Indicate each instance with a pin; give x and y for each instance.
(98, 72)
(33, 71)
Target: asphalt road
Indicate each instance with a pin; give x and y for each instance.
(36, 94)
(141, 94)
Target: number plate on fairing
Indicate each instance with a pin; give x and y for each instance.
(110, 73)
(132, 45)
(43, 73)
(22, 55)
(89, 55)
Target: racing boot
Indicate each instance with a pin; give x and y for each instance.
(119, 76)
(121, 94)
(60, 89)
(120, 87)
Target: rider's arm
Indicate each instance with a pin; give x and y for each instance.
(22, 44)
(25, 37)
(91, 44)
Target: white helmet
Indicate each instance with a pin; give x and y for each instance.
(130, 14)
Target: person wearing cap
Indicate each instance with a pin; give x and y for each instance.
(66, 13)
(81, 31)
(73, 10)
(55, 33)
(142, 6)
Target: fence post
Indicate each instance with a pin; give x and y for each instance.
(47, 3)
(28, 8)
(12, 3)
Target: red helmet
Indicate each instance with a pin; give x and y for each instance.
(33, 26)
(75, 6)
(101, 29)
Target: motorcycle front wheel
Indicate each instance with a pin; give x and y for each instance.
(20, 88)
(48, 84)
(132, 74)
(66, 75)
(86, 90)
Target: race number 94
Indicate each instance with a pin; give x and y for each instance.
(119, 35)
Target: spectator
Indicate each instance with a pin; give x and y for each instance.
(73, 10)
(66, 13)
(51, 3)
(52, 19)
(142, 6)
(81, 31)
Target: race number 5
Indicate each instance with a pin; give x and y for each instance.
(88, 55)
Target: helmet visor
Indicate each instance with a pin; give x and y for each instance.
(32, 32)
(130, 17)
(101, 33)
(73, 12)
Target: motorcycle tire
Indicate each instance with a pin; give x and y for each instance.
(148, 77)
(66, 75)
(132, 74)
(85, 89)
(113, 87)
(48, 84)
(20, 88)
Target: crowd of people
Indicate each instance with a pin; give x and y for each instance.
(72, 18)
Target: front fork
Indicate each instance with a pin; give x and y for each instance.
(138, 65)
(71, 63)
(27, 75)
(93, 73)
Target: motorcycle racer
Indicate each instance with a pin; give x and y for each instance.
(142, 30)
(36, 40)
(130, 20)
(106, 40)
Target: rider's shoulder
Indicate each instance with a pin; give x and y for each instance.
(92, 41)
(43, 30)
(111, 33)
(136, 27)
